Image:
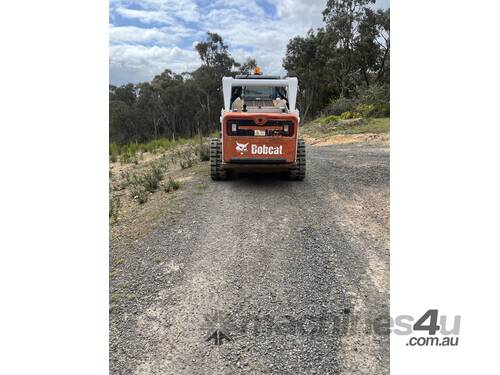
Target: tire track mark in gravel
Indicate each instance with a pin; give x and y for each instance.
(285, 265)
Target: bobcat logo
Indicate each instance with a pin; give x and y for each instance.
(241, 147)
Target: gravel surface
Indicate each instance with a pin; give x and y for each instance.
(294, 274)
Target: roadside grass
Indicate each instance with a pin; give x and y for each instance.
(138, 171)
(130, 151)
(334, 125)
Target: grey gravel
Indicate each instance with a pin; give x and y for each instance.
(295, 273)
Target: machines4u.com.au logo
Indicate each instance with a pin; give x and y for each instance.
(431, 329)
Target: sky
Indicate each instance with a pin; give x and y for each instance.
(148, 36)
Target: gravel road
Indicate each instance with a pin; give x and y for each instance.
(293, 277)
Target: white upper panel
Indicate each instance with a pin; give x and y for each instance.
(290, 84)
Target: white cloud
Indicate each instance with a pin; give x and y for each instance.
(146, 16)
(159, 11)
(132, 34)
(299, 13)
(136, 63)
(248, 7)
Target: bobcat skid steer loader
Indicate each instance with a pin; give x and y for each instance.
(259, 128)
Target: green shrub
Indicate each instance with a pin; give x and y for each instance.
(134, 179)
(328, 119)
(137, 192)
(125, 158)
(366, 110)
(378, 96)
(203, 151)
(350, 115)
(382, 110)
(158, 171)
(187, 162)
(151, 182)
(174, 183)
(114, 208)
(186, 157)
(341, 105)
(171, 185)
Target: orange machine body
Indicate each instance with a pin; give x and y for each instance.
(260, 140)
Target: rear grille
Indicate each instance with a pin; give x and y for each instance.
(243, 131)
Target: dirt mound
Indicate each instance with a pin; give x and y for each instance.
(348, 138)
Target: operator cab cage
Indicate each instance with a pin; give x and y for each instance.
(259, 93)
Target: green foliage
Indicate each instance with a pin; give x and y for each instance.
(378, 96)
(328, 119)
(341, 105)
(151, 181)
(158, 171)
(365, 110)
(139, 193)
(186, 156)
(172, 184)
(114, 208)
(203, 151)
(248, 66)
(186, 161)
(334, 62)
(350, 115)
(372, 101)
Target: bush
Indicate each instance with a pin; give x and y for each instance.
(174, 183)
(372, 101)
(341, 105)
(383, 110)
(187, 162)
(114, 208)
(203, 151)
(171, 185)
(158, 171)
(350, 115)
(151, 182)
(138, 192)
(379, 97)
(366, 110)
(329, 119)
(186, 158)
(134, 179)
(125, 158)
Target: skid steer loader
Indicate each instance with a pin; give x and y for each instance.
(259, 128)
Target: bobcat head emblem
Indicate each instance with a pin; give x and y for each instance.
(241, 147)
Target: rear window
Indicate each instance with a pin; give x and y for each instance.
(259, 93)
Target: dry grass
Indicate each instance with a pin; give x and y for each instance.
(143, 192)
(333, 130)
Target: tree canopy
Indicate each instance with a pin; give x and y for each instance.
(347, 56)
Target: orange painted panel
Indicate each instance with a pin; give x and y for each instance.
(259, 147)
